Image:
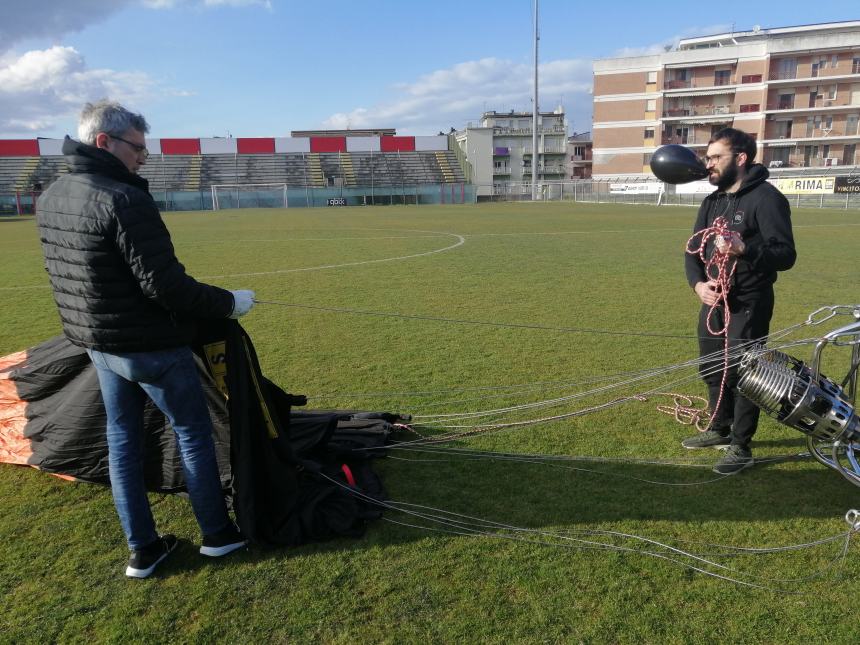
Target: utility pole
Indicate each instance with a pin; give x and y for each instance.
(535, 114)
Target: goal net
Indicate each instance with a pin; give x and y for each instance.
(249, 196)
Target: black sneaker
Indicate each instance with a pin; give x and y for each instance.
(707, 439)
(143, 561)
(223, 542)
(737, 458)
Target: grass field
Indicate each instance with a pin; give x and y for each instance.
(599, 267)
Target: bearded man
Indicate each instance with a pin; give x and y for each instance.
(759, 243)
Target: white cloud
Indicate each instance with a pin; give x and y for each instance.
(453, 96)
(42, 87)
(672, 41)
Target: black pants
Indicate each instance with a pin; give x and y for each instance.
(749, 320)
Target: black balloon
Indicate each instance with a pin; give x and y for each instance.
(676, 164)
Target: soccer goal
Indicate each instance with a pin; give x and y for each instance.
(249, 196)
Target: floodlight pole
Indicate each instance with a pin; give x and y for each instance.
(535, 114)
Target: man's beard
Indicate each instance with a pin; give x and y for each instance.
(727, 178)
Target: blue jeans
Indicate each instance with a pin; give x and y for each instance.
(168, 377)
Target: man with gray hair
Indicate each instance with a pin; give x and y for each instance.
(124, 296)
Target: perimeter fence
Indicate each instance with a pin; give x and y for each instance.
(24, 202)
(801, 191)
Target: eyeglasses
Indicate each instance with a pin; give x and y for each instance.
(716, 158)
(137, 147)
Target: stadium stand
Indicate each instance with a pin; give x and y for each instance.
(15, 172)
(189, 165)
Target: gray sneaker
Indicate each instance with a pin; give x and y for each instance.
(737, 458)
(707, 439)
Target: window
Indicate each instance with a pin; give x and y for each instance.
(855, 65)
(652, 77)
(831, 93)
(646, 158)
(848, 152)
(780, 157)
(786, 68)
(749, 107)
(751, 78)
(723, 77)
(649, 133)
(851, 125)
(785, 101)
(825, 151)
(650, 105)
(834, 61)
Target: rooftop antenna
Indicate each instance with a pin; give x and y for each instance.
(535, 111)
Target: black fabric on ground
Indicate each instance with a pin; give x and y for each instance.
(275, 482)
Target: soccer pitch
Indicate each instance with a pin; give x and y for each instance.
(454, 309)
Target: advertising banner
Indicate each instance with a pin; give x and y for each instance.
(804, 185)
(695, 188)
(850, 184)
(640, 188)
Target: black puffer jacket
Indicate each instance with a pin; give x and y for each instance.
(116, 279)
(762, 217)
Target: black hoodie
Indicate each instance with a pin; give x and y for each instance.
(116, 280)
(762, 217)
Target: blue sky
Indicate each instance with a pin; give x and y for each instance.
(266, 67)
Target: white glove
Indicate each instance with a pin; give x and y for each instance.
(243, 301)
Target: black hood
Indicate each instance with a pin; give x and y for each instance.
(756, 175)
(85, 159)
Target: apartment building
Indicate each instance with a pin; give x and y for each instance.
(579, 156)
(499, 149)
(795, 89)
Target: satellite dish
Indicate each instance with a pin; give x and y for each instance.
(676, 164)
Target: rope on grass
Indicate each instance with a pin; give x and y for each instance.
(722, 267)
(685, 411)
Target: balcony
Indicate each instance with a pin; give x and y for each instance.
(799, 161)
(698, 110)
(783, 75)
(674, 112)
(804, 104)
(685, 140)
(699, 83)
(546, 150)
(812, 134)
(813, 76)
(678, 84)
(550, 129)
(545, 170)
